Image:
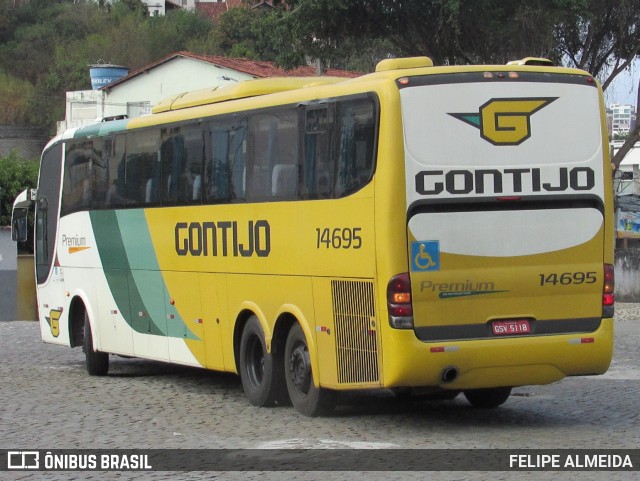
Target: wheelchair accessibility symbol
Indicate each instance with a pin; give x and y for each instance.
(425, 256)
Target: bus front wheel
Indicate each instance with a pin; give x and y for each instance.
(488, 398)
(97, 362)
(259, 372)
(305, 396)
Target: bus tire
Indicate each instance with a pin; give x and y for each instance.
(258, 371)
(488, 398)
(305, 396)
(97, 363)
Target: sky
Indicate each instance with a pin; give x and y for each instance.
(624, 89)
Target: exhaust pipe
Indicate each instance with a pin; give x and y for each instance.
(449, 374)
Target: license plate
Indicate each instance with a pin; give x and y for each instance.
(506, 328)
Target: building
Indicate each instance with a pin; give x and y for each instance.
(211, 8)
(622, 119)
(135, 94)
(161, 7)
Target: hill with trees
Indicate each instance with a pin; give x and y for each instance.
(46, 45)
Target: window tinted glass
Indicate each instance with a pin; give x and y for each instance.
(273, 156)
(225, 170)
(78, 178)
(339, 147)
(142, 168)
(114, 150)
(317, 151)
(355, 136)
(318, 166)
(181, 151)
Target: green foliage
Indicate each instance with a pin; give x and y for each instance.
(602, 37)
(596, 35)
(14, 95)
(16, 175)
(449, 31)
(47, 45)
(235, 30)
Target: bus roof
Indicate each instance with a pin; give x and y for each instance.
(247, 88)
(386, 70)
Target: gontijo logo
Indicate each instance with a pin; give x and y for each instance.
(505, 121)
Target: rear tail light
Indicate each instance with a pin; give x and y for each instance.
(608, 299)
(399, 302)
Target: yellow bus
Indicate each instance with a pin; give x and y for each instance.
(447, 229)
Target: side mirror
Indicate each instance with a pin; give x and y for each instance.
(19, 225)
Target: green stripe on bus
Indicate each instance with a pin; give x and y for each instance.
(126, 252)
(101, 128)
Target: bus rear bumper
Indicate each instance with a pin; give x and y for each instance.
(514, 361)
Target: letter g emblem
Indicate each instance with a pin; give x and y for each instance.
(505, 121)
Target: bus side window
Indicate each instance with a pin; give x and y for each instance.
(355, 145)
(217, 167)
(173, 157)
(190, 187)
(100, 174)
(77, 190)
(140, 168)
(317, 166)
(238, 161)
(114, 149)
(273, 156)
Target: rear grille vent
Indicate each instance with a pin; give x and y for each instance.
(356, 331)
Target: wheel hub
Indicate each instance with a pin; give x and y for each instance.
(300, 369)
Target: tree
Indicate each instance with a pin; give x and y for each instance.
(603, 38)
(14, 95)
(599, 36)
(16, 174)
(632, 138)
(49, 45)
(448, 31)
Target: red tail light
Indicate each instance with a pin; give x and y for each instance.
(399, 302)
(608, 298)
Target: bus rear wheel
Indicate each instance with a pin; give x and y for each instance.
(488, 398)
(97, 363)
(305, 396)
(260, 372)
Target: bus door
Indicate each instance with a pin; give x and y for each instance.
(49, 275)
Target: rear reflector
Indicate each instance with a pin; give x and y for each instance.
(608, 298)
(444, 349)
(582, 340)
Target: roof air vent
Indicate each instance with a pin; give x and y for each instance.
(402, 63)
(536, 61)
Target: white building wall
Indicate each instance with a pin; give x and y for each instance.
(137, 95)
(171, 78)
(622, 117)
(159, 7)
(83, 107)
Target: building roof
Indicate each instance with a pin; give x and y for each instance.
(255, 68)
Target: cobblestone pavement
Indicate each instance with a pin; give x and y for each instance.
(49, 402)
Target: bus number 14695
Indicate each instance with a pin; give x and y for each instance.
(567, 278)
(338, 237)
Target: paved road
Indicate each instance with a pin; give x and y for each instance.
(49, 402)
